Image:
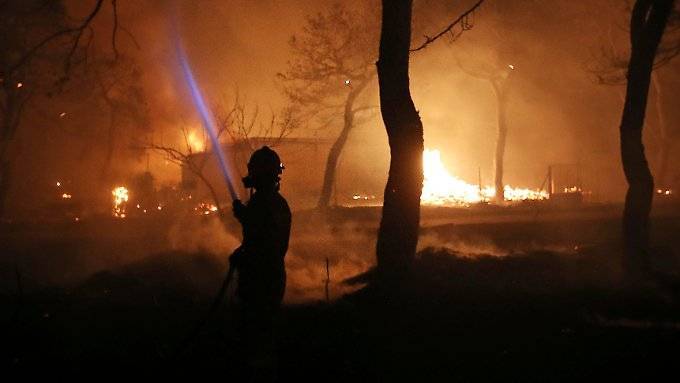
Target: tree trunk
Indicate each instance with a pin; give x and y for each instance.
(648, 21)
(338, 145)
(110, 145)
(5, 176)
(501, 106)
(664, 139)
(12, 110)
(398, 233)
(664, 158)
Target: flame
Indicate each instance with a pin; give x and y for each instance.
(442, 188)
(195, 142)
(120, 199)
(206, 208)
(66, 196)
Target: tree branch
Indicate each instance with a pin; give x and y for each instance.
(114, 30)
(77, 33)
(462, 20)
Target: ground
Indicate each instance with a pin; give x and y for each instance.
(521, 294)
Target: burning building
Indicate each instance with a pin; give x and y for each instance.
(303, 158)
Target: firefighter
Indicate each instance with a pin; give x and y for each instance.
(259, 261)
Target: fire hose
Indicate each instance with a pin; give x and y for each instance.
(200, 325)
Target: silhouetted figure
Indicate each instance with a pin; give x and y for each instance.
(259, 261)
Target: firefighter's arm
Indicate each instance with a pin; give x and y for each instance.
(239, 210)
(236, 258)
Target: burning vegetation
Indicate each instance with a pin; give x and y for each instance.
(121, 197)
(441, 188)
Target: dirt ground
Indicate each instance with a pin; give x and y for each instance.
(514, 294)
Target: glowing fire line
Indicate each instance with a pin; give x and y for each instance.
(442, 188)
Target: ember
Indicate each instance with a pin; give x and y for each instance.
(205, 208)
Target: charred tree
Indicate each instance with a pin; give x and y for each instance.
(398, 233)
(501, 137)
(611, 66)
(498, 75)
(665, 140)
(36, 36)
(647, 24)
(334, 154)
(330, 75)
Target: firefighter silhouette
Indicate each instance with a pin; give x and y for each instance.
(259, 261)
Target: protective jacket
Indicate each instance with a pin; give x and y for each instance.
(266, 221)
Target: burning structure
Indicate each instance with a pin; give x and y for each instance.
(302, 178)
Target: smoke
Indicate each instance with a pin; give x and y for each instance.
(484, 246)
(203, 235)
(349, 249)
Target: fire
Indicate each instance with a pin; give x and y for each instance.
(206, 208)
(120, 199)
(195, 142)
(442, 188)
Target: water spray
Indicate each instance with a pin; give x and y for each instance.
(210, 127)
(206, 118)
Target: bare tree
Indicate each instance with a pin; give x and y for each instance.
(498, 75)
(609, 66)
(398, 233)
(400, 221)
(35, 35)
(119, 87)
(236, 125)
(187, 158)
(245, 127)
(332, 66)
(647, 23)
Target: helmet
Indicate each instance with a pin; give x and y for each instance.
(264, 167)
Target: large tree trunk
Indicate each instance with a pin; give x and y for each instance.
(648, 21)
(398, 233)
(338, 145)
(501, 106)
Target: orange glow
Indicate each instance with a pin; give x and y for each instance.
(196, 144)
